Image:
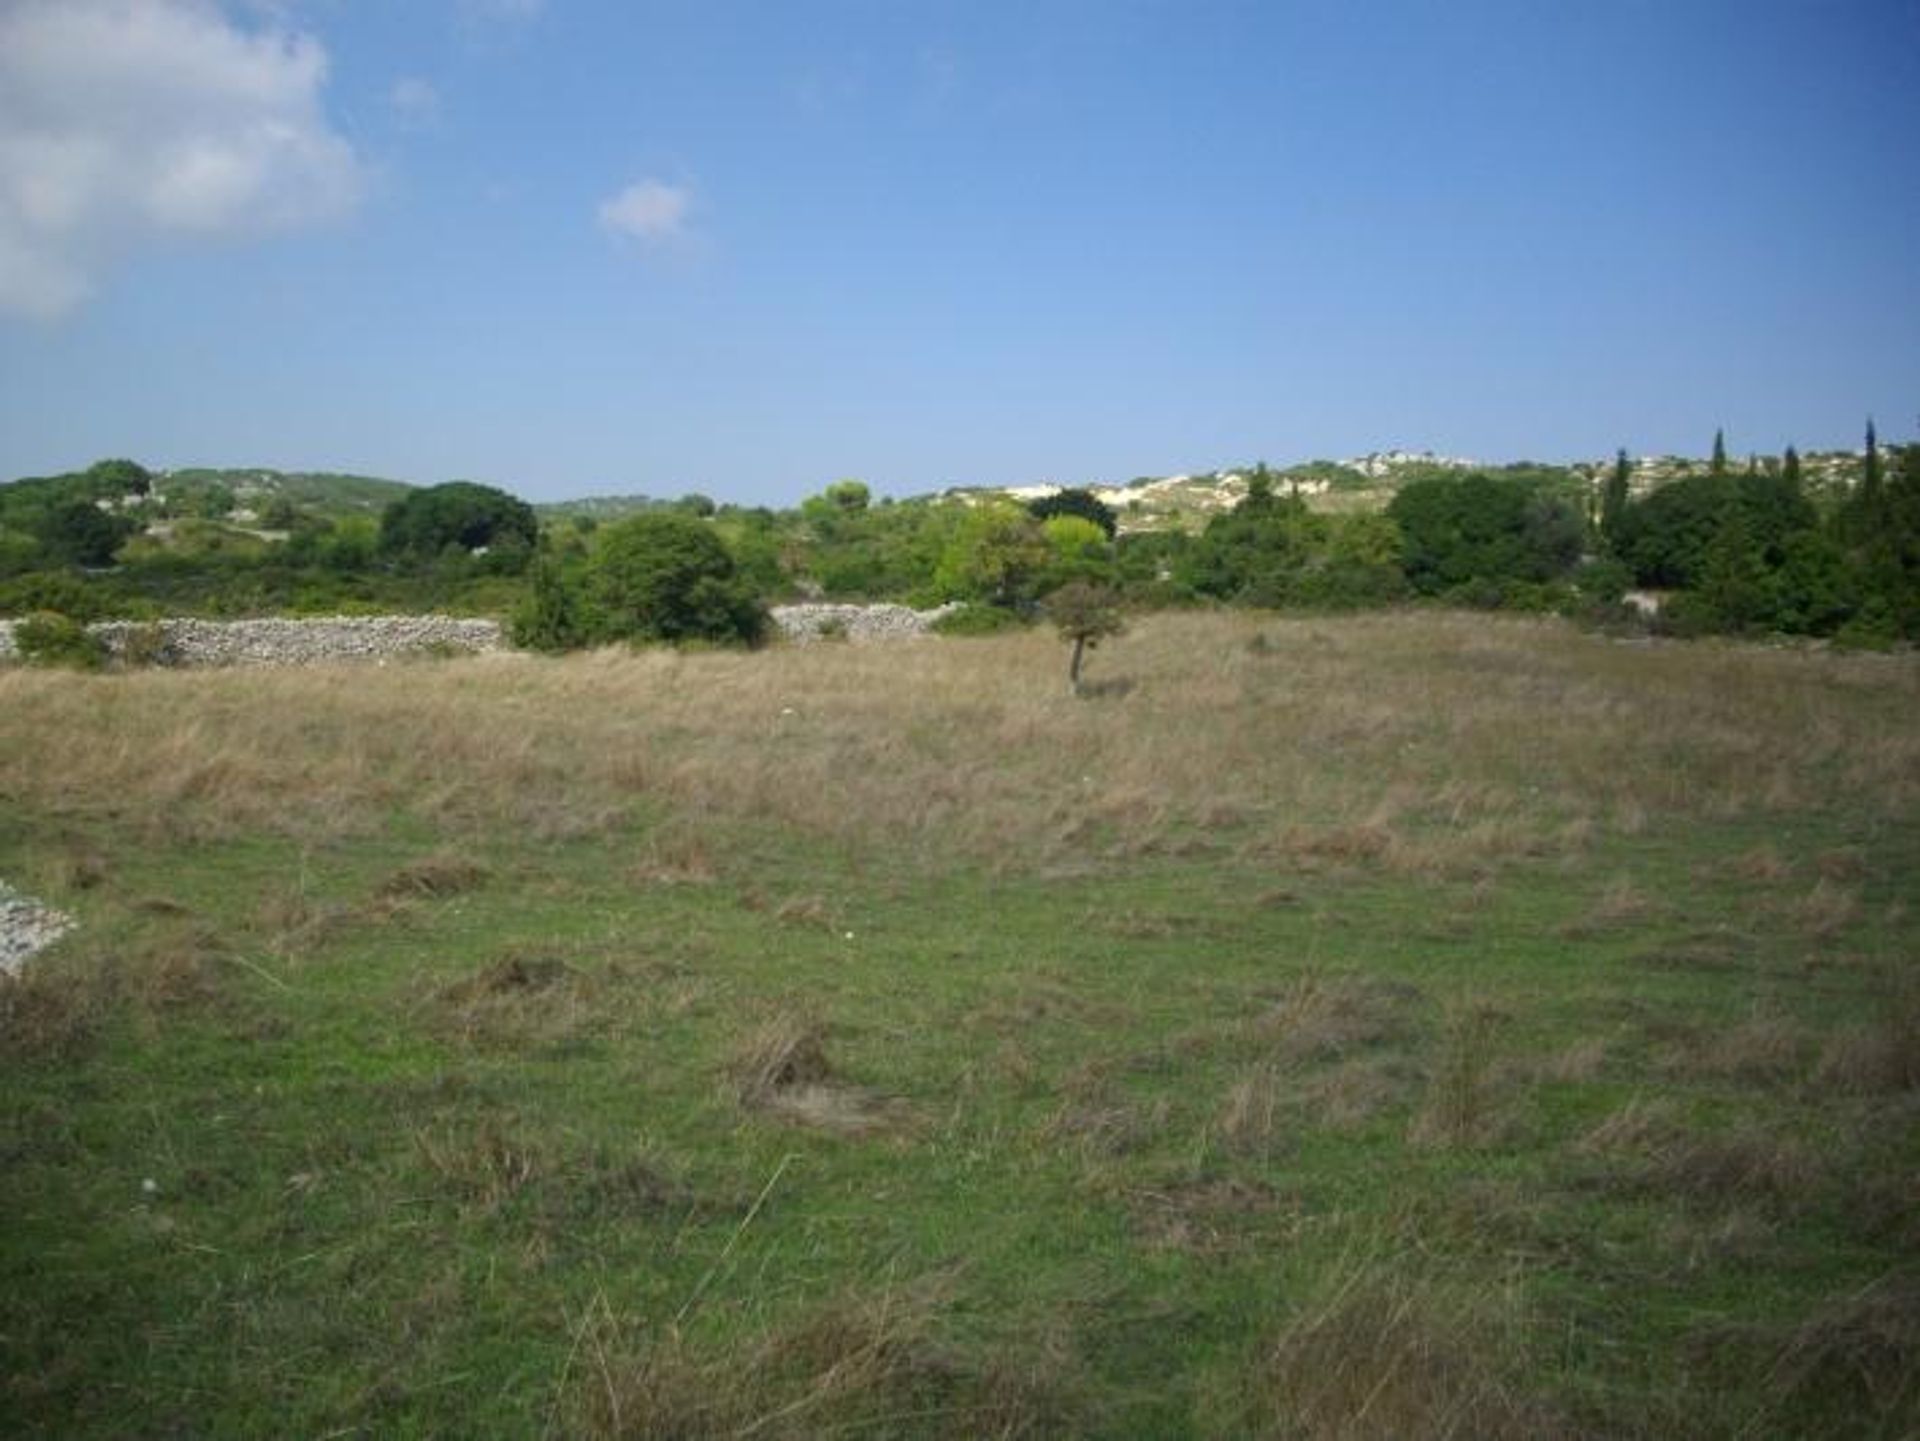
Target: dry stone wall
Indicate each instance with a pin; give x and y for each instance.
(340, 638)
(812, 622)
(288, 642)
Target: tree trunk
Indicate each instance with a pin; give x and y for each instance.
(1073, 670)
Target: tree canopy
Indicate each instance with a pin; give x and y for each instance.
(667, 576)
(425, 522)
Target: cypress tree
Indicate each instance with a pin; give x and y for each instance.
(1719, 463)
(1872, 490)
(1790, 469)
(1613, 498)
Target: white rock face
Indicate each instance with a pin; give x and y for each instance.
(805, 623)
(292, 642)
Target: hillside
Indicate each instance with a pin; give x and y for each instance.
(321, 492)
(1368, 482)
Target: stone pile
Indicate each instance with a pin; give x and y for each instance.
(26, 927)
(813, 622)
(288, 642)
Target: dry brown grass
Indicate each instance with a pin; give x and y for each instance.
(1653, 1149)
(1620, 906)
(1764, 1049)
(434, 876)
(1881, 1057)
(1325, 1018)
(1251, 1117)
(1204, 1216)
(781, 1069)
(1851, 1368)
(524, 1000)
(49, 1014)
(1354, 1092)
(1827, 910)
(1579, 1061)
(483, 1164)
(1382, 1352)
(1464, 1105)
(1502, 738)
(869, 1362)
(1762, 863)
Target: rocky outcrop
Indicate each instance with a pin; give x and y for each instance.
(287, 642)
(26, 927)
(811, 622)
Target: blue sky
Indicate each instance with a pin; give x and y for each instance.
(580, 246)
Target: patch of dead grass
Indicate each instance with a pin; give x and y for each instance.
(484, 1164)
(524, 1000)
(1325, 1018)
(1204, 1216)
(781, 1069)
(1654, 1150)
(1251, 1118)
(1382, 1352)
(1621, 906)
(1354, 1092)
(875, 1361)
(1762, 863)
(938, 750)
(434, 877)
(1881, 1057)
(1827, 910)
(1850, 1368)
(1764, 1049)
(1464, 1105)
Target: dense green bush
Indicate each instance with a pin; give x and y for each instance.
(667, 576)
(1479, 532)
(48, 638)
(552, 616)
(975, 619)
(1079, 502)
(424, 523)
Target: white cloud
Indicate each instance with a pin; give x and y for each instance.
(647, 210)
(126, 122)
(415, 101)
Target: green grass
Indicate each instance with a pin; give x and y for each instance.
(715, 1124)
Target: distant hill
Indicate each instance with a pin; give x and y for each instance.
(598, 507)
(1369, 482)
(323, 492)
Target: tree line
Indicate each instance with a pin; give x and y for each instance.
(1741, 549)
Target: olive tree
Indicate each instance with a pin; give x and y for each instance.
(1084, 614)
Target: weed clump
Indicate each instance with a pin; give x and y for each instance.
(1380, 1353)
(863, 1362)
(1881, 1057)
(781, 1069)
(1461, 1107)
(435, 876)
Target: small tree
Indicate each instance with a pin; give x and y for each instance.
(666, 576)
(1086, 615)
(1614, 496)
(1076, 500)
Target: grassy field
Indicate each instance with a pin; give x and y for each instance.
(1413, 1025)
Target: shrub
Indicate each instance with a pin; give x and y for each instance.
(425, 522)
(978, 620)
(49, 638)
(550, 616)
(667, 576)
(145, 645)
